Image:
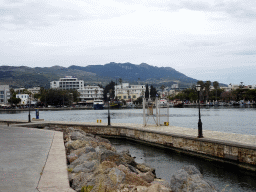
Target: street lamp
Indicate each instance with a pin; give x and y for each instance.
(108, 109)
(200, 130)
(29, 100)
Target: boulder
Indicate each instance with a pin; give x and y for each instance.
(148, 176)
(79, 180)
(190, 179)
(86, 167)
(161, 182)
(83, 158)
(76, 135)
(141, 189)
(158, 188)
(72, 157)
(108, 155)
(116, 176)
(100, 139)
(145, 168)
(74, 145)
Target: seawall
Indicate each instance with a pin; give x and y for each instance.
(239, 150)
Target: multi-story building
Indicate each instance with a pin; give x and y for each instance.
(67, 83)
(24, 98)
(86, 92)
(34, 90)
(126, 91)
(90, 93)
(4, 94)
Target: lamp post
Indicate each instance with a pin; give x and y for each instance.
(108, 109)
(29, 118)
(200, 130)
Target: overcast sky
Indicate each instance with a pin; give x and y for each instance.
(205, 40)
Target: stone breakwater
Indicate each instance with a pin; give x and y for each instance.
(95, 165)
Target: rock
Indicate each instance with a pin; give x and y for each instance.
(133, 169)
(191, 170)
(127, 158)
(190, 179)
(158, 188)
(124, 168)
(70, 129)
(76, 136)
(72, 157)
(80, 180)
(83, 158)
(108, 155)
(100, 139)
(145, 168)
(116, 176)
(133, 179)
(86, 167)
(161, 182)
(141, 189)
(73, 145)
(149, 176)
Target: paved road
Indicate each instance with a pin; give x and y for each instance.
(23, 157)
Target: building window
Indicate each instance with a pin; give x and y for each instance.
(134, 96)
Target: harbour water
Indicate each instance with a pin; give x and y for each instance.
(223, 119)
(166, 162)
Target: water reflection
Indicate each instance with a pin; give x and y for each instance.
(167, 162)
(235, 120)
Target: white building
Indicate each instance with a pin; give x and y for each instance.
(126, 91)
(90, 93)
(86, 92)
(24, 98)
(4, 94)
(34, 90)
(67, 83)
(19, 89)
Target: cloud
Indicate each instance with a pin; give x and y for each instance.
(241, 10)
(19, 14)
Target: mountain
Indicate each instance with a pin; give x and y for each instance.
(23, 76)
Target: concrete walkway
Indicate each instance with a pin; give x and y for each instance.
(32, 160)
(249, 140)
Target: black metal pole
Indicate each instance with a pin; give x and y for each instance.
(200, 130)
(108, 114)
(29, 119)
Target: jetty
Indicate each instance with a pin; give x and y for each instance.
(231, 148)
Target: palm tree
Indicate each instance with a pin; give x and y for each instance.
(216, 86)
(120, 81)
(207, 88)
(128, 93)
(96, 92)
(162, 87)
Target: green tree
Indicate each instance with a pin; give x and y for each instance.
(147, 92)
(108, 87)
(207, 86)
(153, 91)
(216, 86)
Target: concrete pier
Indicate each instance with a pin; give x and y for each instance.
(236, 149)
(32, 160)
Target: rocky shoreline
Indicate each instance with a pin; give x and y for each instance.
(95, 165)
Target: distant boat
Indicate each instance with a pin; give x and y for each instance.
(98, 104)
(178, 104)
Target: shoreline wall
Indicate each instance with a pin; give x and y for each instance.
(243, 156)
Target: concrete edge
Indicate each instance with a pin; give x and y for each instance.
(55, 175)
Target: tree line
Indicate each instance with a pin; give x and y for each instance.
(217, 94)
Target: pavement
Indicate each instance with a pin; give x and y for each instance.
(32, 160)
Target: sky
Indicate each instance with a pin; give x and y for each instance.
(205, 40)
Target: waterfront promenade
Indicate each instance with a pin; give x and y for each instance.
(32, 160)
(42, 159)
